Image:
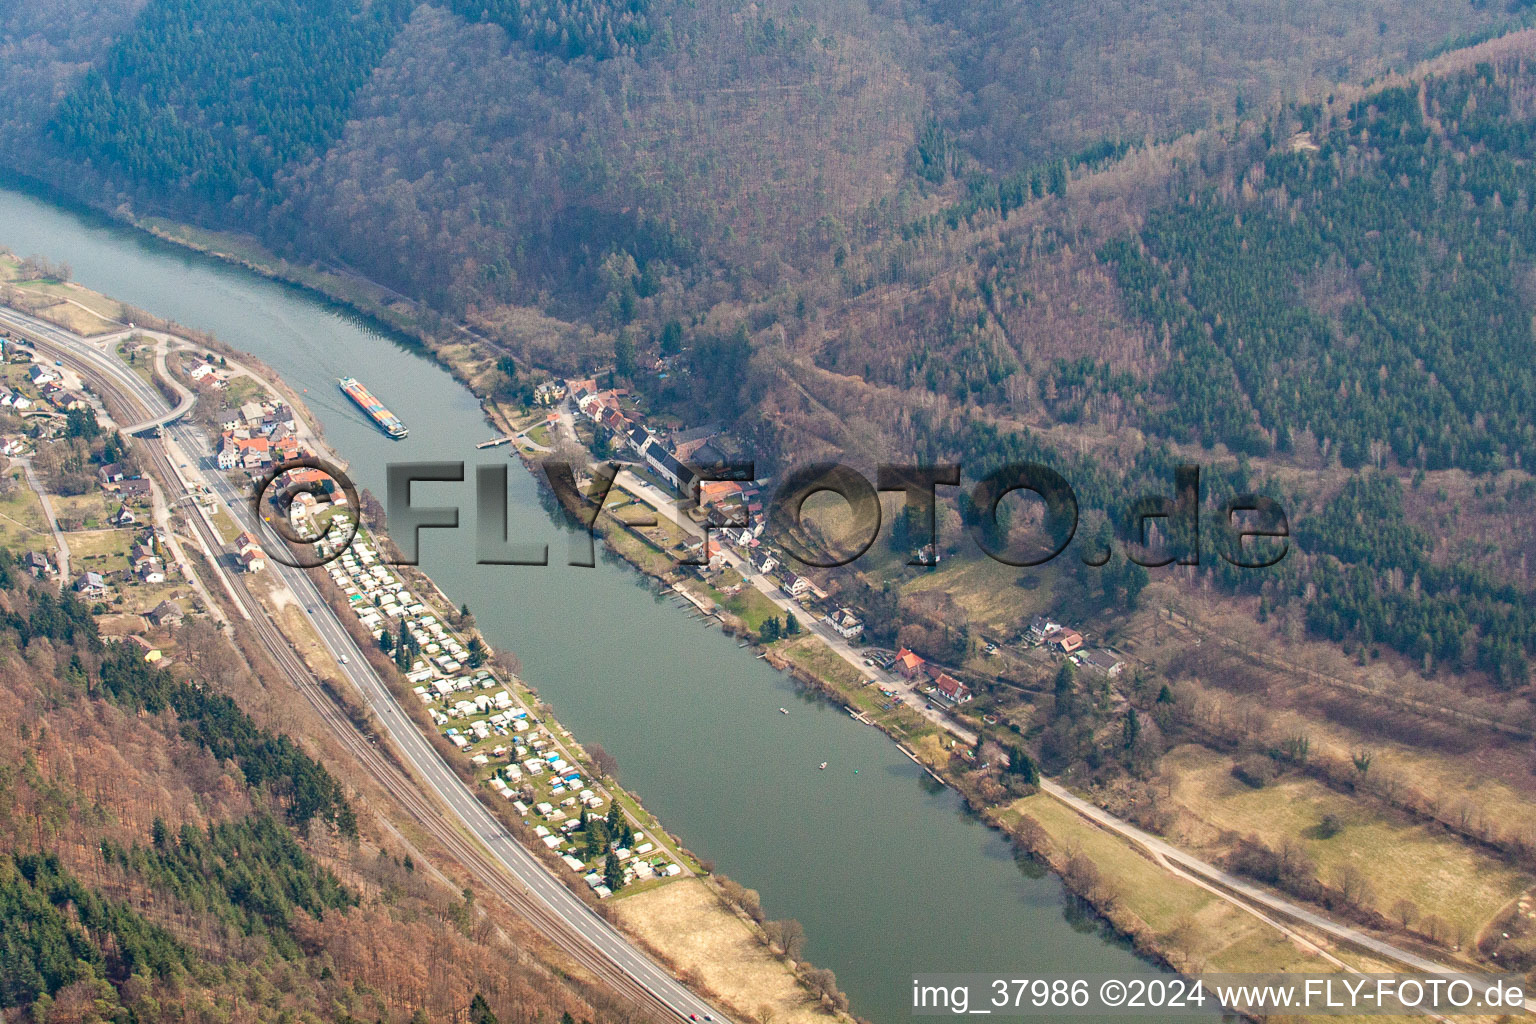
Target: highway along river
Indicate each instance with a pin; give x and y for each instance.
(884, 869)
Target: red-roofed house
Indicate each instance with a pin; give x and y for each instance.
(1067, 640)
(908, 664)
(951, 688)
(712, 492)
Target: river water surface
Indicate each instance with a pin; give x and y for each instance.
(886, 871)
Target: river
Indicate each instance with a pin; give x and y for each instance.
(885, 869)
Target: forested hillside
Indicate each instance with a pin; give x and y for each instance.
(626, 160)
(204, 101)
(1112, 239)
(163, 856)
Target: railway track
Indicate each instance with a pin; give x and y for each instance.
(492, 875)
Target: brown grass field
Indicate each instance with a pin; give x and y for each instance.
(699, 935)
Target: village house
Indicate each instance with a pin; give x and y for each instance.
(249, 554)
(687, 443)
(244, 452)
(124, 517)
(110, 474)
(1041, 627)
(1104, 662)
(252, 413)
(679, 476)
(150, 570)
(38, 565)
(638, 438)
(794, 585)
(846, 624)
(951, 688)
(65, 400)
(165, 614)
(1066, 640)
(150, 651)
(134, 487)
(718, 492)
(91, 584)
(40, 375)
(908, 664)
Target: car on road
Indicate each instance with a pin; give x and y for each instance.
(344, 659)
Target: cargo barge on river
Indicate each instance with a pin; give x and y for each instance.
(387, 421)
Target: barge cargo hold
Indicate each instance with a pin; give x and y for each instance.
(387, 421)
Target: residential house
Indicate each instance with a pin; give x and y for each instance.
(111, 473)
(794, 585)
(38, 565)
(244, 452)
(669, 469)
(846, 624)
(124, 517)
(951, 688)
(151, 653)
(166, 613)
(66, 400)
(1041, 627)
(718, 492)
(638, 438)
(40, 375)
(150, 570)
(686, 444)
(91, 584)
(1103, 661)
(253, 559)
(1066, 640)
(908, 664)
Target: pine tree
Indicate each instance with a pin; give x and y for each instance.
(480, 1011)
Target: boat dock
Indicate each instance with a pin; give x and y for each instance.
(913, 758)
(494, 442)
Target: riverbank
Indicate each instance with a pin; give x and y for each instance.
(764, 980)
(732, 770)
(468, 358)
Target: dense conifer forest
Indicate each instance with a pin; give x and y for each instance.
(165, 857)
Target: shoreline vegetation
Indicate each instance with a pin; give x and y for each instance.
(401, 316)
(747, 949)
(1073, 848)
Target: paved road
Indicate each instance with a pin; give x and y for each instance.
(423, 759)
(1164, 853)
(53, 524)
(426, 763)
(916, 699)
(81, 346)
